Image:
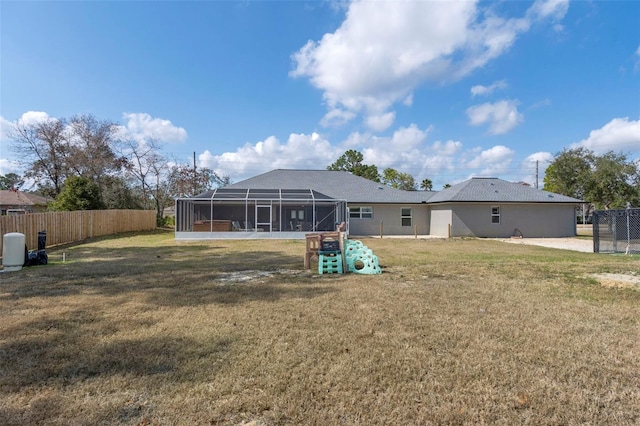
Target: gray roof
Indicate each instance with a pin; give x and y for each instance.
(356, 189)
(497, 190)
(338, 185)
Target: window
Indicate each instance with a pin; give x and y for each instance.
(495, 214)
(361, 212)
(297, 214)
(405, 214)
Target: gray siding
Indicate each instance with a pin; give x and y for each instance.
(533, 220)
(390, 216)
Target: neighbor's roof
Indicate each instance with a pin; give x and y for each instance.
(497, 190)
(337, 185)
(10, 197)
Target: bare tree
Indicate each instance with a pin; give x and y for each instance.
(44, 152)
(151, 171)
(92, 150)
(187, 180)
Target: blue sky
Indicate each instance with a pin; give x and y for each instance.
(441, 90)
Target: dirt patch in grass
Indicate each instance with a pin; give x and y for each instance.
(145, 330)
(619, 280)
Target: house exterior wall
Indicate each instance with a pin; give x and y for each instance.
(532, 220)
(391, 217)
(440, 220)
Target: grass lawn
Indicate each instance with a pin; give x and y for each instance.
(142, 330)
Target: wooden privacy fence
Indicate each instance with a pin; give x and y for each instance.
(69, 227)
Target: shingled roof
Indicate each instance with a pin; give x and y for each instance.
(335, 184)
(19, 199)
(356, 189)
(498, 191)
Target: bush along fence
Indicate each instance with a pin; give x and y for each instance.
(616, 231)
(69, 227)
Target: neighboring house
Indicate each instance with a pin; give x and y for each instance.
(12, 199)
(480, 207)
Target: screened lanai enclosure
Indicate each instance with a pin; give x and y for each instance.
(257, 213)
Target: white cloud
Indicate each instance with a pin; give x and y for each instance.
(384, 50)
(480, 90)
(33, 117)
(408, 150)
(381, 122)
(447, 148)
(337, 117)
(492, 162)
(502, 116)
(543, 103)
(301, 151)
(26, 119)
(554, 9)
(6, 127)
(9, 166)
(143, 127)
(397, 151)
(536, 162)
(619, 134)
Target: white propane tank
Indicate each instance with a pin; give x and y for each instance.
(13, 251)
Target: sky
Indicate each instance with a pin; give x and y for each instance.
(443, 90)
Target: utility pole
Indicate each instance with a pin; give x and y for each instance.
(537, 163)
(195, 175)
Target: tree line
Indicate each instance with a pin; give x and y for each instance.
(607, 181)
(84, 163)
(351, 161)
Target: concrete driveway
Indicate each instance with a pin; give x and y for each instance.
(576, 244)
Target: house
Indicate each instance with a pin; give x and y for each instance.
(494, 208)
(288, 203)
(12, 199)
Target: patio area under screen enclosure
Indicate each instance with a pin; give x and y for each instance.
(257, 213)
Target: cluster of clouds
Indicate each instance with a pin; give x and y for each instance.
(408, 149)
(381, 53)
(384, 50)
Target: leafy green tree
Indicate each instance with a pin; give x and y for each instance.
(612, 182)
(570, 173)
(398, 180)
(351, 161)
(11, 181)
(605, 181)
(79, 193)
(426, 185)
(117, 194)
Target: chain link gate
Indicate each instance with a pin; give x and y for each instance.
(616, 231)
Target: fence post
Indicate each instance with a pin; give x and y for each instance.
(628, 229)
(595, 222)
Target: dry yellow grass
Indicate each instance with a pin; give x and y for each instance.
(143, 330)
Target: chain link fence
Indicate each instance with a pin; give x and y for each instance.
(616, 231)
